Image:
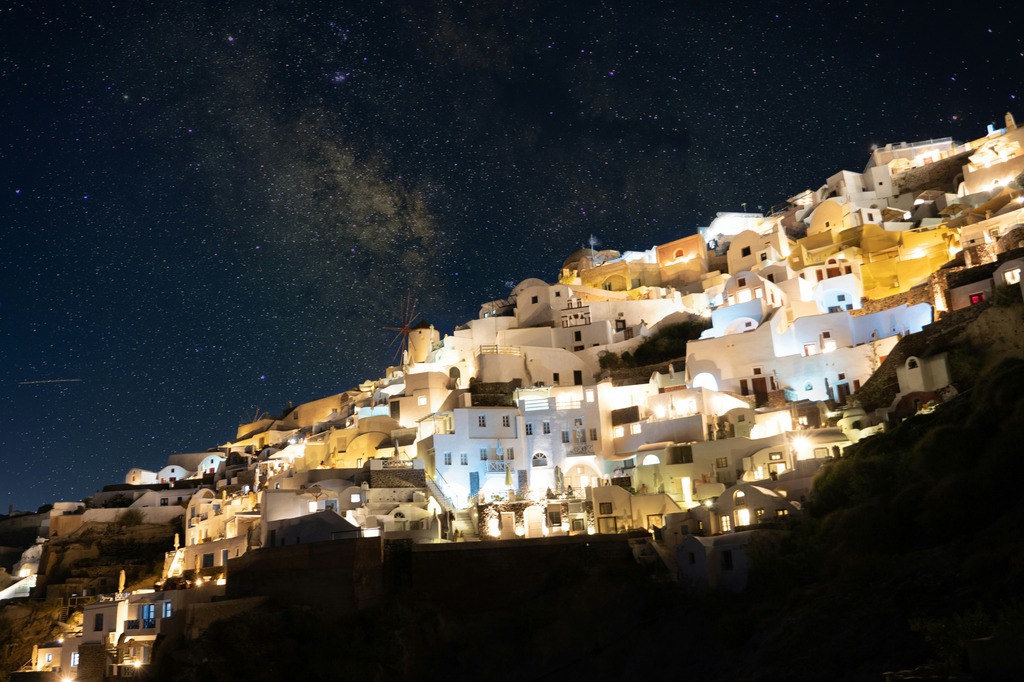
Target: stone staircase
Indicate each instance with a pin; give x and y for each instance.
(464, 523)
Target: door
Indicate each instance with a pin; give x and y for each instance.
(761, 391)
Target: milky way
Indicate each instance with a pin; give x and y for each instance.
(213, 207)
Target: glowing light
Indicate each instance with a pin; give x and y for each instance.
(802, 446)
(136, 664)
(493, 528)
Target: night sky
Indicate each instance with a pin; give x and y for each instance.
(212, 208)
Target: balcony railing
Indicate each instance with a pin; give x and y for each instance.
(579, 449)
(140, 623)
(500, 350)
(497, 466)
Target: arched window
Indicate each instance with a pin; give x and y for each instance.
(540, 460)
(738, 498)
(912, 363)
(650, 459)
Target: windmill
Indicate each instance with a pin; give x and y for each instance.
(407, 315)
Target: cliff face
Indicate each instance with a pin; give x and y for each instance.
(978, 338)
(93, 558)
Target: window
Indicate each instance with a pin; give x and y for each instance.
(741, 282)
(558, 294)
(74, 659)
(782, 512)
(606, 508)
(354, 498)
(533, 299)
(555, 519)
(841, 297)
(978, 297)
(540, 460)
(775, 456)
(842, 376)
(483, 454)
(745, 251)
(577, 336)
(529, 429)
(510, 454)
(49, 658)
(208, 560)
(722, 463)
(618, 432)
(163, 501)
(758, 370)
(481, 421)
(546, 427)
(593, 434)
(634, 428)
(565, 436)
(97, 623)
(448, 459)
(1012, 276)
(421, 400)
(577, 377)
(727, 554)
(759, 514)
(725, 521)
(826, 335)
(554, 378)
(464, 459)
(506, 421)
(588, 395)
(764, 256)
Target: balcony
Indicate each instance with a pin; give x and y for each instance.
(497, 466)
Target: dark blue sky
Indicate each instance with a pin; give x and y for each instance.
(212, 207)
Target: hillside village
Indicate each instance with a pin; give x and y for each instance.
(539, 422)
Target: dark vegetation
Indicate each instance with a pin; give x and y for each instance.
(668, 343)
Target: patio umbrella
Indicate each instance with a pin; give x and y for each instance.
(558, 478)
(508, 476)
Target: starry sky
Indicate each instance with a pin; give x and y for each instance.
(208, 209)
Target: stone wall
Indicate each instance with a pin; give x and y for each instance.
(920, 294)
(398, 478)
(939, 175)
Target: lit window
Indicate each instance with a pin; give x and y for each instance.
(1012, 276)
(726, 523)
(618, 432)
(354, 498)
(74, 658)
(421, 400)
(589, 395)
(634, 428)
(605, 508)
(49, 658)
(722, 463)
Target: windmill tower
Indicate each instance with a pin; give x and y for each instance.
(407, 315)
